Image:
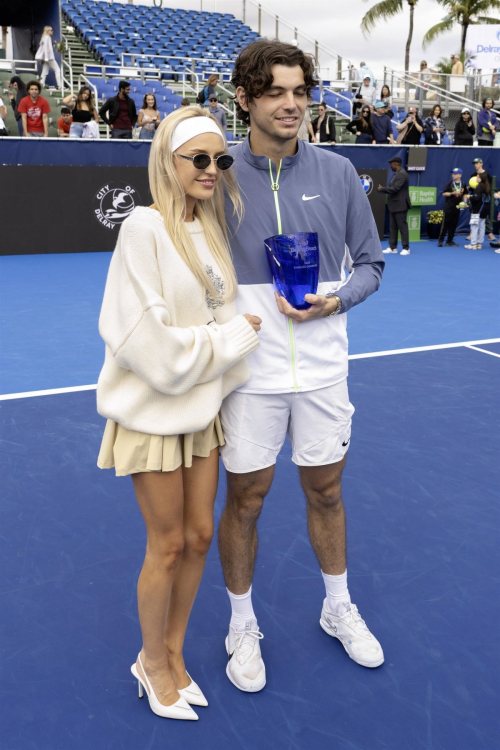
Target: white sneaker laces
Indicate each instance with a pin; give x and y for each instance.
(244, 643)
(353, 619)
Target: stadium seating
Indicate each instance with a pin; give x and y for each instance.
(145, 36)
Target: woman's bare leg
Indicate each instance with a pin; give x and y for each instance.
(160, 498)
(200, 488)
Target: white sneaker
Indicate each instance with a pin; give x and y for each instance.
(390, 250)
(353, 634)
(245, 667)
(406, 251)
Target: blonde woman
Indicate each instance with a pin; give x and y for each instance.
(45, 55)
(175, 347)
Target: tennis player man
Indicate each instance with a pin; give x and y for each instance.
(298, 376)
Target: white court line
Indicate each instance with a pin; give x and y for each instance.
(422, 349)
(484, 351)
(468, 344)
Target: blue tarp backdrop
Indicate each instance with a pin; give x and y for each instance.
(440, 160)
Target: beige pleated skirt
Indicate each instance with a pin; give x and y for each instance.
(130, 452)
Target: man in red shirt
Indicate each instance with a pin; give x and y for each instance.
(64, 123)
(34, 111)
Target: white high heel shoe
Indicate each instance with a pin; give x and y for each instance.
(178, 710)
(192, 693)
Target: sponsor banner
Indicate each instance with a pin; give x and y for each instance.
(370, 178)
(423, 196)
(483, 47)
(69, 209)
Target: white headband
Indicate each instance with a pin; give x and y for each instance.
(192, 127)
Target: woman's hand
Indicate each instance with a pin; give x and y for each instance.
(254, 321)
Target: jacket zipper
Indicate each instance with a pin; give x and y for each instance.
(275, 187)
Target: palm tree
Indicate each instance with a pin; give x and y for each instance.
(387, 9)
(465, 13)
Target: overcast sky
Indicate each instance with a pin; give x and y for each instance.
(337, 24)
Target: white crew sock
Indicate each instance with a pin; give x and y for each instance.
(337, 592)
(241, 609)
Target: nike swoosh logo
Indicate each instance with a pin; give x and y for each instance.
(311, 198)
(346, 443)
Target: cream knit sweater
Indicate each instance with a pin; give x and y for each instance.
(166, 370)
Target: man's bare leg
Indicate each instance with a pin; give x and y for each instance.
(238, 550)
(238, 526)
(325, 514)
(326, 520)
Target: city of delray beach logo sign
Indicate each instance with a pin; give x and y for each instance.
(114, 202)
(367, 183)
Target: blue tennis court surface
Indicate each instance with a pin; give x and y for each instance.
(50, 308)
(421, 493)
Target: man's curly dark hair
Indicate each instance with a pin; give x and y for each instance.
(252, 69)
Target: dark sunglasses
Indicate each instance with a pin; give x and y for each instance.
(202, 161)
(213, 100)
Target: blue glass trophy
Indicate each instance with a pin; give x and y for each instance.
(294, 263)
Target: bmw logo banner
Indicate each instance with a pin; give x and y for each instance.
(369, 179)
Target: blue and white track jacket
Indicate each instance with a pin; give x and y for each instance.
(321, 192)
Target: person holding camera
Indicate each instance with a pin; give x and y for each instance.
(366, 94)
(464, 129)
(148, 118)
(434, 127)
(410, 130)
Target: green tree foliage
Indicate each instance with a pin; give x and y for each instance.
(387, 9)
(465, 13)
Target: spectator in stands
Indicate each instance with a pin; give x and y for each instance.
(83, 110)
(487, 123)
(485, 176)
(64, 123)
(352, 77)
(464, 129)
(425, 76)
(362, 126)
(434, 127)
(209, 89)
(398, 204)
(457, 69)
(366, 94)
(3, 114)
(382, 125)
(306, 132)
(365, 72)
(480, 197)
(45, 55)
(217, 111)
(34, 111)
(122, 113)
(454, 192)
(148, 118)
(17, 91)
(411, 129)
(385, 96)
(185, 102)
(323, 126)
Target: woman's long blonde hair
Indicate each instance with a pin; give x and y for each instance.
(169, 198)
(46, 30)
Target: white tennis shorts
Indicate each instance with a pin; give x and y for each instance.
(318, 425)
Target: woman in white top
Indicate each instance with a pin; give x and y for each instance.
(148, 118)
(45, 54)
(175, 347)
